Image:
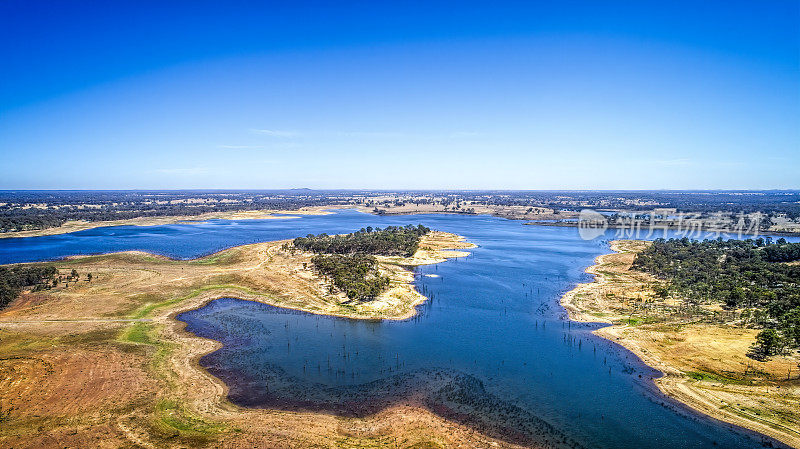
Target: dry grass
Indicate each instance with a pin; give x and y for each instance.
(704, 362)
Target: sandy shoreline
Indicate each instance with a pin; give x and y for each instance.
(749, 405)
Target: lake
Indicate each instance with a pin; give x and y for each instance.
(492, 348)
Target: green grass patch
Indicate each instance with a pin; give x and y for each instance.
(139, 333)
(714, 377)
(92, 337)
(173, 416)
(119, 257)
(638, 321)
(13, 343)
(147, 309)
(170, 416)
(220, 258)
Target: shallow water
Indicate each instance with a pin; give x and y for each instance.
(491, 348)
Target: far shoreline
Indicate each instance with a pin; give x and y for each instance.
(259, 214)
(271, 214)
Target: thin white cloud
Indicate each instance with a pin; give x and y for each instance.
(371, 134)
(182, 171)
(731, 163)
(274, 133)
(395, 134)
(674, 162)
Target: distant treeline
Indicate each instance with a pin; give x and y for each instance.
(704, 201)
(348, 261)
(34, 218)
(23, 210)
(391, 241)
(14, 279)
(739, 273)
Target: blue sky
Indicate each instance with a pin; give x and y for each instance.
(562, 95)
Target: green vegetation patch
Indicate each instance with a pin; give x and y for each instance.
(739, 273)
(174, 416)
(13, 279)
(348, 262)
(171, 416)
(713, 377)
(148, 309)
(220, 258)
(122, 257)
(356, 275)
(138, 333)
(638, 320)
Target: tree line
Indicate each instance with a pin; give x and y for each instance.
(752, 274)
(391, 241)
(26, 210)
(14, 279)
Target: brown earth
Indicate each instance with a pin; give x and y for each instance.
(702, 351)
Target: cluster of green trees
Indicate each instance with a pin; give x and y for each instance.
(391, 241)
(750, 273)
(14, 279)
(781, 252)
(349, 262)
(356, 275)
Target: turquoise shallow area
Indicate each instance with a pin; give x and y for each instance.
(492, 349)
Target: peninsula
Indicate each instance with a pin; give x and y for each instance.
(700, 347)
(101, 357)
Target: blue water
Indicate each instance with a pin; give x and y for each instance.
(491, 349)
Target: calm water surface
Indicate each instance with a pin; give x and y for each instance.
(491, 349)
